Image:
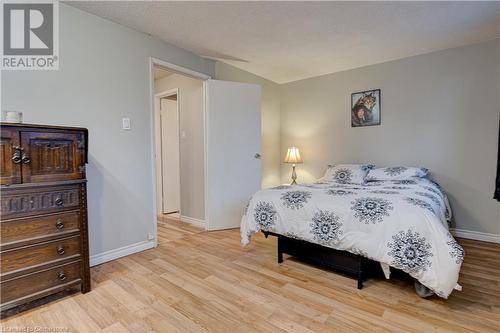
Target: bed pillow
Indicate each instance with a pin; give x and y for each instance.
(396, 173)
(347, 173)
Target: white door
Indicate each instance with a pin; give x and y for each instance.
(233, 140)
(170, 160)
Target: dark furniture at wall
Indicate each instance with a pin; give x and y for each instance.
(496, 195)
(43, 236)
(342, 261)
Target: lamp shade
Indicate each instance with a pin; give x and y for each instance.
(293, 156)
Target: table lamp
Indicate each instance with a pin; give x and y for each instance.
(293, 157)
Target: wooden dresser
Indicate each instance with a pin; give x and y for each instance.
(43, 235)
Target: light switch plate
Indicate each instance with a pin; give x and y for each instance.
(126, 123)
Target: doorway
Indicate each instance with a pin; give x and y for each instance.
(221, 141)
(170, 178)
(179, 146)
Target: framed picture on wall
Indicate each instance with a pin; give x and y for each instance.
(365, 108)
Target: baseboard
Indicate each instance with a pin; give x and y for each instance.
(475, 235)
(121, 252)
(176, 215)
(193, 221)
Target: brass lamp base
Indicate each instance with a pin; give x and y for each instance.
(294, 176)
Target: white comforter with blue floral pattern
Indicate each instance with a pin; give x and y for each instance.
(400, 223)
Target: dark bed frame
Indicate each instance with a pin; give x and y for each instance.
(343, 261)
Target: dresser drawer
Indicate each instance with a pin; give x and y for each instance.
(36, 255)
(30, 285)
(25, 202)
(33, 228)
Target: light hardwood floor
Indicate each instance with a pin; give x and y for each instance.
(198, 281)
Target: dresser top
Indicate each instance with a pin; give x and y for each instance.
(48, 128)
(39, 126)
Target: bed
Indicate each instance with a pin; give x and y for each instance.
(396, 223)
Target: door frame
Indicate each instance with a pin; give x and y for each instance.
(153, 123)
(159, 145)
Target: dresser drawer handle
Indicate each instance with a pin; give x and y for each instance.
(16, 157)
(26, 159)
(59, 201)
(16, 154)
(60, 250)
(61, 276)
(59, 224)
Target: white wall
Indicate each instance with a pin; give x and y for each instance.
(192, 145)
(103, 76)
(271, 156)
(439, 110)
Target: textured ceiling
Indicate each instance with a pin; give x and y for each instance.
(288, 41)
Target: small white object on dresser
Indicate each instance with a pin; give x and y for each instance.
(15, 117)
